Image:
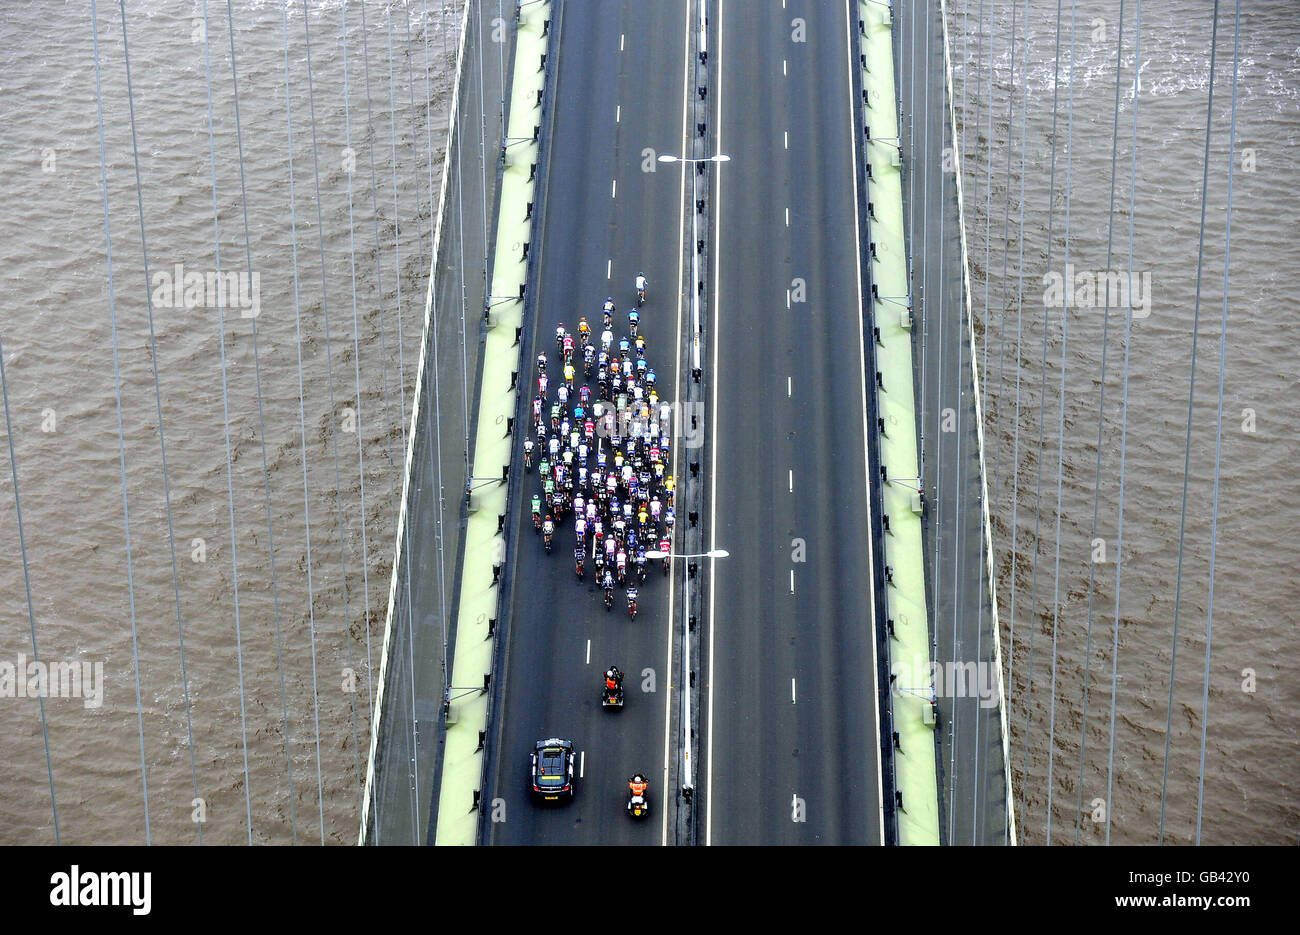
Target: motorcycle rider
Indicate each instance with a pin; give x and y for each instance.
(613, 678)
(637, 785)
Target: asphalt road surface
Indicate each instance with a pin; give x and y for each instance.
(788, 749)
(791, 750)
(619, 89)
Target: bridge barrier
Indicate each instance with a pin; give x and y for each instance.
(403, 765)
(915, 781)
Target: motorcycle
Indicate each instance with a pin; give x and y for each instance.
(638, 805)
(611, 697)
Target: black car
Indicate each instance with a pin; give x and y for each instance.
(552, 770)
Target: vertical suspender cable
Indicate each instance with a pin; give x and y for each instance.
(1123, 441)
(1015, 445)
(121, 444)
(401, 376)
(1191, 395)
(1042, 406)
(1218, 431)
(225, 408)
(302, 416)
(157, 392)
(1101, 419)
(329, 369)
(27, 580)
(1060, 433)
(261, 433)
(394, 488)
(356, 367)
(433, 328)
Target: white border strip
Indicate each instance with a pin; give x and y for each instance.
(410, 435)
(979, 424)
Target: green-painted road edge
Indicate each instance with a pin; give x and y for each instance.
(916, 780)
(484, 544)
